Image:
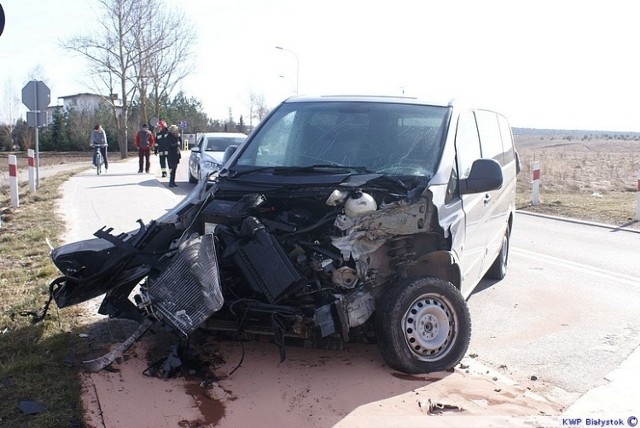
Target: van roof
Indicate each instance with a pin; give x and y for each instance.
(373, 98)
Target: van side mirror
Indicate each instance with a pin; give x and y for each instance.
(228, 152)
(195, 149)
(485, 175)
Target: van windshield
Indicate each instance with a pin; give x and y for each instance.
(383, 137)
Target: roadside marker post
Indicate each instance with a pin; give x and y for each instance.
(32, 171)
(13, 181)
(638, 198)
(535, 190)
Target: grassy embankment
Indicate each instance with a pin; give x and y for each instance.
(37, 362)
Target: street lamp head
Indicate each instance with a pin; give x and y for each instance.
(297, 65)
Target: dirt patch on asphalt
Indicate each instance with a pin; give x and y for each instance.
(244, 384)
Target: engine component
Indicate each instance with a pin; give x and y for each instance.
(358, 204)
(336, 197)
(359, 306)
(221, 211)
(345, 277)
(324, 320)
(264, 263)
(319, 263)
(188, 291)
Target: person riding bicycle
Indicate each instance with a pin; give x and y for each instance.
(98, 141)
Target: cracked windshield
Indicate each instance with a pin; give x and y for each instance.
(394, 139)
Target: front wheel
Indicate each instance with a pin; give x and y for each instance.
(192, 179)
(98, 163)
(423, 325)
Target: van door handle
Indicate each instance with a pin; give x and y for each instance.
(487, 198)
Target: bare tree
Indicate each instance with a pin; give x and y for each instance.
(37, 73)
(113, 51)
(9, 109)
(257, 108)
(169, 40)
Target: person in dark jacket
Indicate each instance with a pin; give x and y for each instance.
(144, 142)
(161, 147)
(173, 156)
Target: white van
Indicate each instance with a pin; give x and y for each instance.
(340, 219)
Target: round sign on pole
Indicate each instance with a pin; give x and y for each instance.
(1, 19)
(182, 124)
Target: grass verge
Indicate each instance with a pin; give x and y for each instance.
(37, 362)
(613, 208)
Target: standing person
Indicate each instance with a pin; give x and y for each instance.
(144, 142)
(162, 148)
(173, 157)
(98, 140)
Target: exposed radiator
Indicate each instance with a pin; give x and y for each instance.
(188, 291)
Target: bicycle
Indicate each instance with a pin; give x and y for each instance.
(99, 160)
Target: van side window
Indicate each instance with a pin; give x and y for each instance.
(452, 187)
(467, 143)
(490, 137)
(507, 139)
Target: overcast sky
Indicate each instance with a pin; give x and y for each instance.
(544, 64)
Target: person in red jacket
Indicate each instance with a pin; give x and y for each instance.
(144, 142)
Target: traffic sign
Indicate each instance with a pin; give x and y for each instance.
(36, 120)
(36, 95)
(182, 124)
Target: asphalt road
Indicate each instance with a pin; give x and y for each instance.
(567, 312)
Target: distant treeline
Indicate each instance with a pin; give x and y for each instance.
(576, 134)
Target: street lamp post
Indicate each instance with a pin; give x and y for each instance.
(297, 66)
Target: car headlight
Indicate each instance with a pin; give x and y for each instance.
(212, 165)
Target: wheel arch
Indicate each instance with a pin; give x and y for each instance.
(439, 264)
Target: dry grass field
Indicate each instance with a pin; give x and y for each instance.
(46, 159)
(590, 179)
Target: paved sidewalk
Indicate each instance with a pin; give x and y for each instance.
(620, 396)
(143, 196)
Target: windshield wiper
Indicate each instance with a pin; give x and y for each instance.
(287, 170)
(325, 168)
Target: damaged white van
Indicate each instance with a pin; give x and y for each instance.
(339, 219)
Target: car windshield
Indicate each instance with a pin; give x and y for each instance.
(382, 137)
(220, 144)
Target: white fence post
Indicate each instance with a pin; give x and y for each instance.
(32, 171)
(13, 181)
(638, 198)
(535, 189)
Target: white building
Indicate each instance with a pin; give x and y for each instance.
(84, 102)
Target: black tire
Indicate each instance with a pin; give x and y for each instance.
(441, 311)
(98, 165)
(192, 179)
(498, 269)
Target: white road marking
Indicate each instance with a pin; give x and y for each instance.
(606, 274)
